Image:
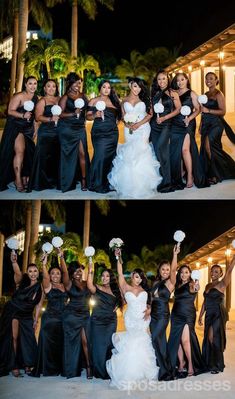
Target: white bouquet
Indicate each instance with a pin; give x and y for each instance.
(89, 252)
(100, 106)
(47, 248)
(57, 242)
(28, 106)
(13, 244)
(56, 110)
(179, 236)
(185, 110)
(79, 103)
(115, 243)
(196, 275)
(158, 108)
(130, 118)
(202, 99)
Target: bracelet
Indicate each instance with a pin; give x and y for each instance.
(23, 115)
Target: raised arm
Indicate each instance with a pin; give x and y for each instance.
(121, 278)
(17, 272)
(46, 283)
(174, 264)
(227, 278)
(90, 285)
(66, 280)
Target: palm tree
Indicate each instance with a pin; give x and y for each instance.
(85, 63)
(159, 57)
(134, 67)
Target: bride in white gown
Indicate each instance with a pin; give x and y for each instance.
(133, 360)
(135, 172)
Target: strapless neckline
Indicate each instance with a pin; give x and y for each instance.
(136, 296)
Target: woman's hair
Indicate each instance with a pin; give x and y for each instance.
(144, 93)
(44, 84)
(114, 287)
(219, 267)
(25, 282)
(113, 98)
(71, 78)
(155, 87)
(163, 262)
(178, 278)
(54, 267)
(73, 266)
(214, 74)
(25, 80)
(174, 84)
(144, 282)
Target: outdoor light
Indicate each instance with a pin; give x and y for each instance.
(228, 252)
(209, 260)
(190, 68)
(202, 63)
(221, 55)
(198, 264)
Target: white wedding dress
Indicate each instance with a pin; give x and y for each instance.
(135, 172)
(133, 359)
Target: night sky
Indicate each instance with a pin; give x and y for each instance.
(184, 23)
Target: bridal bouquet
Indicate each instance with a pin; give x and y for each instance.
(115, 243)
(130, 118)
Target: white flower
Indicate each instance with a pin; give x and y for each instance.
(79, 103)
(158, 108)
(185, 110)
(56, 110)
(100, 105)
(196, 275)
(202, 99)
(89, 251)
(57, 242)
(13, 243)
(115, 243)
(28, 105)
(179, 236)
(131, 117)
(47, 247)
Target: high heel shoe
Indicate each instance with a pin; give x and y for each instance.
(89, 374)
(28, 370)
(19, 188)
(83, 184)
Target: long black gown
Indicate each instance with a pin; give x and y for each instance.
(13, 127)
(178, 133)
(46, 159)
(160, 315)
(104, 135)
(75, 318)
(184, 313)
(103, 326)
(72, 132)
(20, 307)
(160, 137)
(221, 166)
(216, 317)
(51, 338)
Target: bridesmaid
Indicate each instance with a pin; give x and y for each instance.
(183, 147)
(46, 160)
(17, 145)
(51, 338)
(104, 135)
(76, 321)
(18, 346)
(160, 126)
(107, 298)
(216, 316)
(72, 134)
(183, 339)
(160, 313)
(218, 164)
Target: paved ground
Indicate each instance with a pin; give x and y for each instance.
(211, 386)
(224, 190)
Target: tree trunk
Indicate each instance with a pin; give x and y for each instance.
(36, 213)
(27, 235)
(1, 261)
(86, 224)
(14, 52)
(23, 26)
(74, 30)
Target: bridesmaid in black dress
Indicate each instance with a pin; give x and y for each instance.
(18, 346)
(46, 160)
(73, 141)
(217, 163)
(183, 147)
(76, 322)
(160, 314)
(160, 126)
(17, 145)
(216, 316)
(183, 341)
(107, 297)
(51, 338)
(104, 135)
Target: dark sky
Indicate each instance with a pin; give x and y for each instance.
(151, 23)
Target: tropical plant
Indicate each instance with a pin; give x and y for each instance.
(134, 67)
(159, 58)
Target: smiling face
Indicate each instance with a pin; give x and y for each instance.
(185, 275)
(33, 273)
(135, 88)
(211, 80)
(181, 81)
(136, 279)
(76, 86)
(105, 89)
(50, 88)
(162, 80)
(165, 271)
(216, 273)
(78, 274)
(31, 85)
(55, 276)
(105, 278)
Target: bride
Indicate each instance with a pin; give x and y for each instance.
(135, 168)
(133, 360)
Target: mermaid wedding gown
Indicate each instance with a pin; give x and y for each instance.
(133, 359)
(135, 172)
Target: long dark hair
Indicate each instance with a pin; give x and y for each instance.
(25, 282)
(144, 93)
(73, 266)
(219, 267)
(114, 287)
(44, 84)
(113, 98)
(155, 87)
(174, 84)
(178, 278)
(163, 262)
(144, 282)
(71, 78)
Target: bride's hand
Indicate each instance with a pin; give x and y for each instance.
(135, 126)
(147, 313)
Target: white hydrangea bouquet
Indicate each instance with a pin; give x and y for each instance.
(115, 243)
(130, 118)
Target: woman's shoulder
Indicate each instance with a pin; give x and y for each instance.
(93, 101)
